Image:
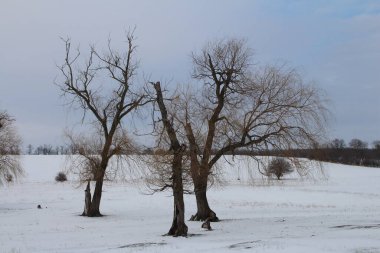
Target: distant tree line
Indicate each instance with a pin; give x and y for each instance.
(356, 152)
(47, 149)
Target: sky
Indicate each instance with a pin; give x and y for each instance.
(333, 43)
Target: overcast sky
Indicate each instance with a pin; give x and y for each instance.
(335, 44)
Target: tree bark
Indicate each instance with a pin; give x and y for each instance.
(204, 211)
(95, 203)
(87, 200)
(178, 227)
(94, 210)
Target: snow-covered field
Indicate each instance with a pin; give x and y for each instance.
(338, 212)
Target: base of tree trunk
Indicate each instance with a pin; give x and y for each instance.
(87, 200)
(176, 230)
(88, 209)
(210, 216)
(178, 227)
(95, 214)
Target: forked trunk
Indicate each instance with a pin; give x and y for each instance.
(95, 203)
(203, 209)
(94, 210)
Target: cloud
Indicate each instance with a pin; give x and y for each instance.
(335, 43)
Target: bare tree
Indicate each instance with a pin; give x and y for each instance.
(337, 144)
(9, 149)
(278, 167)
(358, 144)
(106, 111)
(173, 157)
(271, 108)
(30, 149)
(376, 144)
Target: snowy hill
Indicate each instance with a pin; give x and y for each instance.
(337, 211)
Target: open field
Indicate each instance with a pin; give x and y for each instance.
(335, 212)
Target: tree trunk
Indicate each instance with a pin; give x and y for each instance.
(178, 227)
(94, 210)
(95, 203)
(203, 209)
(87, 200)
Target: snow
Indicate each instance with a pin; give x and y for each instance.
(334, 211)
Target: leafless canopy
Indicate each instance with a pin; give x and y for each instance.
(85, 163)
(107, 105)
(80, 84)
(158, 175)
(9, 148)
(236, 105)
(247, 106)
(105, 89)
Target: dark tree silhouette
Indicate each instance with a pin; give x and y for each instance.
(239, 107)
(358, 144)
(278, 167)
(106, 112)
(173, 156)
